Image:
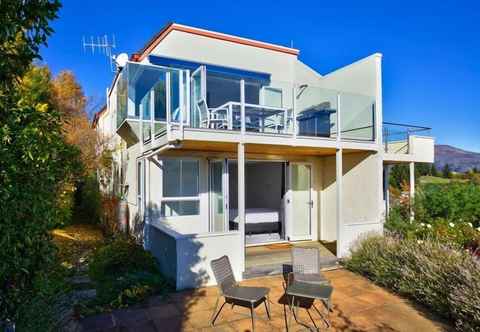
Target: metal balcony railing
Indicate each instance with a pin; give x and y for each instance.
(396, 136)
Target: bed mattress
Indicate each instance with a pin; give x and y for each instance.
(257, 216)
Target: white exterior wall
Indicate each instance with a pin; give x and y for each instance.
(187, 46)
(362, 183)
(194, 254)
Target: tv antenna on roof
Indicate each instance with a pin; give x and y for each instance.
(102, 45)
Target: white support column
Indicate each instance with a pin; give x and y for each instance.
(339, 189)
(142, 141)
(152, 116)
(241, 199)
(412, 188)
(169, 105)
(386, 188)
(339, 179)
(294, 111)
(242, 106)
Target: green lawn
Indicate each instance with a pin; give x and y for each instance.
(439, 180)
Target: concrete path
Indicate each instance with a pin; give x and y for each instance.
(358, 305)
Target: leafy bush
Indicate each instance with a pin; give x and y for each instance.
(46, 303)
(121, 256)
(34, 162)
(444, 278)
(125, 273)
(454, 202)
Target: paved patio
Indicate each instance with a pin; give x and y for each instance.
(358, 305)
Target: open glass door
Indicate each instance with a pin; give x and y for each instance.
(198, 83)
(301, 201)
(218, 195)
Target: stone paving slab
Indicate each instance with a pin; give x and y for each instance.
(358, 305)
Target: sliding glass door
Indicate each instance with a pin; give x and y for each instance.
(218, 178)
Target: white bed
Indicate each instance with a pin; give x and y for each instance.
(257, 215)
(258, 220)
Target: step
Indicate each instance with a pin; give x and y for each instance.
(283, 268)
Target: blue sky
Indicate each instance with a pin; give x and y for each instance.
(431, 49)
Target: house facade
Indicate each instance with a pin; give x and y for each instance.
(224, 143)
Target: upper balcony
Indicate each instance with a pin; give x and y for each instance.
(157, 100)
(405, 143)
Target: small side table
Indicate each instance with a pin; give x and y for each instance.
(310, 291)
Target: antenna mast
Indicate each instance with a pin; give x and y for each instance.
(102, 45)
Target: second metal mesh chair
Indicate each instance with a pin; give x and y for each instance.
(234, 294)
(306, 266)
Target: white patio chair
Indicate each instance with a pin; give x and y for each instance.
(210, 119)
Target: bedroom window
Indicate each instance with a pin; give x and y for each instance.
(180, 192)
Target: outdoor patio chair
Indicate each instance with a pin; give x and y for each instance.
(209, 119)
(249, 297)
(306, 266)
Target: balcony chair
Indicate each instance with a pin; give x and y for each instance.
(250, 297)
(210, 119)
(306, 266)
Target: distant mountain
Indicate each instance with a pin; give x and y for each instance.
(459, 160)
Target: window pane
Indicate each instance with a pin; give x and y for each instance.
(272, 97)
(171, 178)
(179, 208)
(189, 178)
(180, 178)
(174, 96)
(160, 112)
(221, 89)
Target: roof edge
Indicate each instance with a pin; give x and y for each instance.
(145, 51)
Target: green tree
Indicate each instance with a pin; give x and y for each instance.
(34, 158)
(446, 171)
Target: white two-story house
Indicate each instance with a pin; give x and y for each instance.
(228, 143)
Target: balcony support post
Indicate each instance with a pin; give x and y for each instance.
(169, 106)
(339, 205)
(142, 140)
(339, 120)
(386, 188)
(152, 117)
(294, 111)
(242, 107)
(412, 189)
(241, 199)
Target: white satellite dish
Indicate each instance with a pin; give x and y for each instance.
(121, 60)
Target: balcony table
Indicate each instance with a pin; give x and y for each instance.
(260, 111)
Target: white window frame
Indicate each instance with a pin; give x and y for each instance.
(179, 198)
(140, 175)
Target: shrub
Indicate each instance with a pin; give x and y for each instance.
(454, 202)
(47, 302)
(119, 257)
(444, 278)
(125, 273)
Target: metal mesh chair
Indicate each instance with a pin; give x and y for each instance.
(234, 294)
(306, 266)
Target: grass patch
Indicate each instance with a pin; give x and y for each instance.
(426, 179)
